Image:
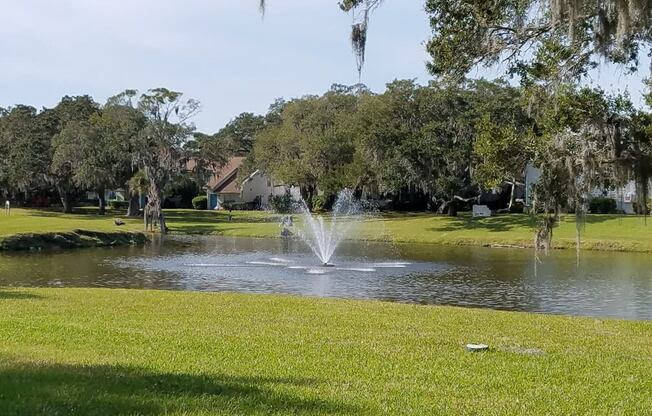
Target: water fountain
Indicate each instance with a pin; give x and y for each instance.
(323, 234)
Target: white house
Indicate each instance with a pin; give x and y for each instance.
(259, 185)
(255, 191)
(624, 196)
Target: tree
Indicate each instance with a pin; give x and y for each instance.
(69, 123)
(419, 142)
(137, 186)
(160, 149)
(239, 134)
(310, 147)
(25, 142)
(505, 136)
(586, 141)
(536, 38)
(100, 151)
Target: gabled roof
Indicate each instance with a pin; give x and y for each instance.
(224, 180)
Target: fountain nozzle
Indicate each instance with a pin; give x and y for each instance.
(327, 265)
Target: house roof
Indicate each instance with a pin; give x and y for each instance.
(224, 179)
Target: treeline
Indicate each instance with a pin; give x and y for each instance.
(438, 146)
(432, 147)
(139, 142)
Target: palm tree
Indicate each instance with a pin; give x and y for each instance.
(137, 186)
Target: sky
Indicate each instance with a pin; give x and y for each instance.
(220, 52)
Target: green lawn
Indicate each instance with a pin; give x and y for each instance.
(109, 352)
(605, 232)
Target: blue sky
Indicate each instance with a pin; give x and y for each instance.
(218, 51)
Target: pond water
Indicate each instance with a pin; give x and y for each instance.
(600, 284)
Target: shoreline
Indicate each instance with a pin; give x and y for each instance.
(42, 230)
(81, 238)
(70, 240)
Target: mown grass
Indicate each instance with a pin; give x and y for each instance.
(601, 232)
(110, 352)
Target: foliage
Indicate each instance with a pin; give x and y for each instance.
(282, 204)
(25, 137)
(311, 146)
(180, 191)
(239, 134)
(587, 143)
(538, 39)
(319, 203)
(200, 202)
(160, 150)
(118, 204)
(602, 205)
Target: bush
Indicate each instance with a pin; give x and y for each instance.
(282, 204)
(319, 203)
(602, 205)
(236, 206)
(116, 205)
(200, 202)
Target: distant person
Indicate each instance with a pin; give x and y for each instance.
(7, 207)
(230, 214)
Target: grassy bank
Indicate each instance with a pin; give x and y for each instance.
(109, 352)
(602, 232)
(32, 229)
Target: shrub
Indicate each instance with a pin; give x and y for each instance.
(200, 202)
(282, 204)
(235, 206)
(602, 205)
(319, 202)
(118, 205)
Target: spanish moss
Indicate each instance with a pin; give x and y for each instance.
(261, 8)
(361, 11)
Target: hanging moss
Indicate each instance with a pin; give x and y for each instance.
(261, 7)
(359, 43)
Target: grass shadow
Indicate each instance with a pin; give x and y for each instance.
(218, 218)
(499, 223)
(29, 389)
(14, 294)
(503, 223)
(76, 214)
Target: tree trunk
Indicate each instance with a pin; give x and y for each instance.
(511, 197)
(134, 206)
(102, 201)
(64, 196)
(452, 209)
(161, 223)
(307, 194)
(155, 205)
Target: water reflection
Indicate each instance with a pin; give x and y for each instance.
(601, 284)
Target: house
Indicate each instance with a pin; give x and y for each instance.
(223, 186)
(624, 196)
(254, 192)
(109, 195)
(260, 187)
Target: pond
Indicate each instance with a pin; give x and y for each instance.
(601, 284)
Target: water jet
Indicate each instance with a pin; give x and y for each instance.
(323, 234)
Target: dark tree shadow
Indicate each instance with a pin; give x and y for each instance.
(13, 294)
(219, 217)
(200, 229)
(28, 389)
(504, 222)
